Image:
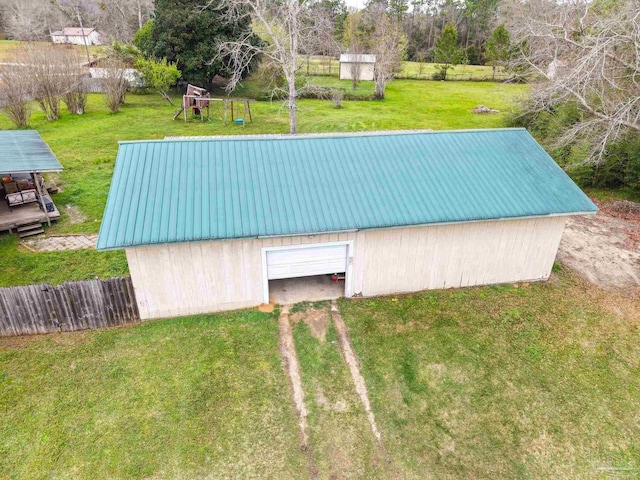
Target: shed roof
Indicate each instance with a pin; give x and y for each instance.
(25, 151)
(357, 58)
(245, 187)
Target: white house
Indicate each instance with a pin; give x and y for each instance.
(214, 224)
(77, 36)
(357, 65)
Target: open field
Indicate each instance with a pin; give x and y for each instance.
(484, 382)
(86, 146)
(7, 47)
(319, 65)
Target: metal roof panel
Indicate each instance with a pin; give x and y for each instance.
(181, 190)
(25, 151)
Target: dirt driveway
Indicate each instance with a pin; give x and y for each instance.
(605, 248)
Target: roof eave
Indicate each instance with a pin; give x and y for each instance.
(352, 230)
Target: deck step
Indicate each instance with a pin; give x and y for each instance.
(30, 226)
(28, 233)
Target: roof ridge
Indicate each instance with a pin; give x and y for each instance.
(319, 135)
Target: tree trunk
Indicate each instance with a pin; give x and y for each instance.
(84, 38)
(293, 94)
(139, 14)
(166, 96)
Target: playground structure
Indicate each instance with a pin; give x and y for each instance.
(198, 99)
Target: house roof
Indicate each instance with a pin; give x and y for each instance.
(245, 187)
(77, 32)
(357, 58)
(25, 151)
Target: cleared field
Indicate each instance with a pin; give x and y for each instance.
(318, 65)
(9, 47)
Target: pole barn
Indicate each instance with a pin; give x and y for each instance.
(216, 224)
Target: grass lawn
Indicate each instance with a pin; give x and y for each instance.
(486, 382)
(200, 397)
(534, 381)
(86, 146)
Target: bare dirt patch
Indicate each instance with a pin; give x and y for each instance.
(316, 319)
(74, 214)
(605, 248)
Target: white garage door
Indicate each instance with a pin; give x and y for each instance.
(307, 261)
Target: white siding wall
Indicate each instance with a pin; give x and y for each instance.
(185, 279)
(346, 71)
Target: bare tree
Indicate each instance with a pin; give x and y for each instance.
(388, 43)
(75, 91)
(15, 95)
(597, 44)
(48, 76)
(27, 19)
(355, 70)
(114, 83)
(283, 27)
(354, 43)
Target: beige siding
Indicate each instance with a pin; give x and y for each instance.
(365, 72)
(413, 259)
(190, 278)
(185, 279)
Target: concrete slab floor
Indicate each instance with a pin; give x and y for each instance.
(310, 289)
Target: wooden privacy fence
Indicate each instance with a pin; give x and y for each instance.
(71, 306)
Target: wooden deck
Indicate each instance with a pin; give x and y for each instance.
(12, 218)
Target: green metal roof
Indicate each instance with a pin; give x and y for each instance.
(245, 187)
(25, 151)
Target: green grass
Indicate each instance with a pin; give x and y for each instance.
(607, 195)
(199, 397)
(341, 439)
(86, 145)
(472, 383)
(23, 267)
(538, 381)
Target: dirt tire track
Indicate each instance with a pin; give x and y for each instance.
(292, 367)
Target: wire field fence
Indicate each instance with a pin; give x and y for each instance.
(325, 68)
(71, 306)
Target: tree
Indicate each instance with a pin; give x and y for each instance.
(447, 51)
(159, 75)
(498, 48)
(594, 46)
(15, 93)
(389, 45)
(26, 19)
(187, 34)
(114, 83)
(283, 28)
(354, 43)
(142, 38)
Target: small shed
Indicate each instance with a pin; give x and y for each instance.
(219, 223)
(357, 65)
(77, 36)
(24, 202)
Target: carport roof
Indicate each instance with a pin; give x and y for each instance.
(179, 190)
(24, 151)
